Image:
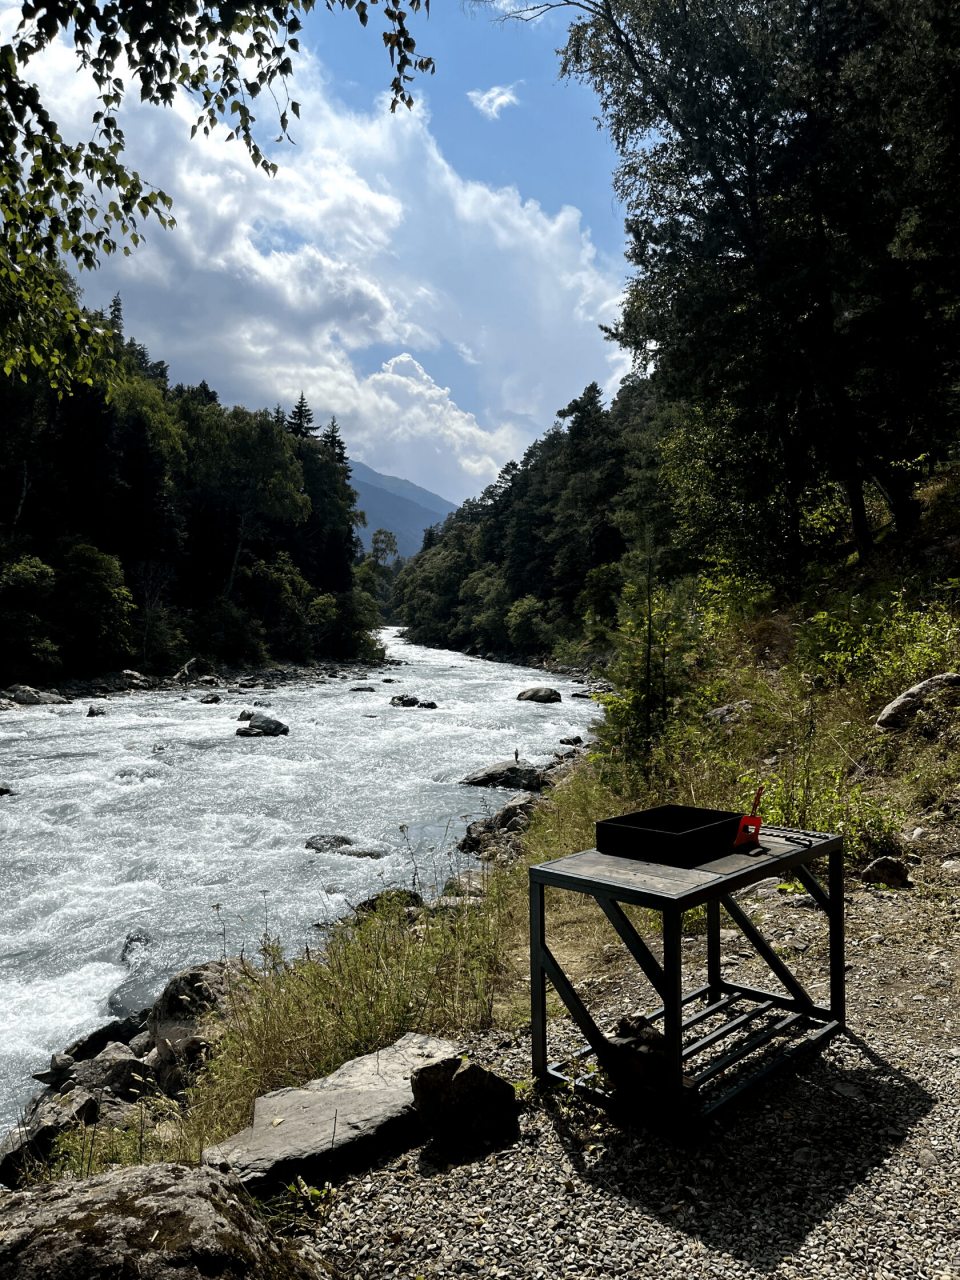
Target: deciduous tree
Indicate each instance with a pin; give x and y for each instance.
(79, 199)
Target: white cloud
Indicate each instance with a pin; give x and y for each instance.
(442, 320)
(490, 102)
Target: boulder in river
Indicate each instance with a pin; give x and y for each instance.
(96, 711)
(261, 726)
(328, 844)
(540, 693)
(155, 1221)
(518, 775)
(404, 700)
(134, 945)
(6, 789)
(210, 699)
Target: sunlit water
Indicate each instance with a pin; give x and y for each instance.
(140, 820)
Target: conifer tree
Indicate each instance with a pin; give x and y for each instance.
(333, 442)
(300, 422)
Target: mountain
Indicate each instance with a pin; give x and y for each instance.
(398, 505)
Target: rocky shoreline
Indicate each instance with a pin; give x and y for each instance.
(103, 1076)
(848, 1165)
(193, 677)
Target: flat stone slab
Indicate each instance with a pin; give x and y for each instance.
(335, 1125)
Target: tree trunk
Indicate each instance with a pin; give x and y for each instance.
(228, 589)
(898, 489)
(862, 535)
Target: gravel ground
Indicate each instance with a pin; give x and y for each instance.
(845, 1165)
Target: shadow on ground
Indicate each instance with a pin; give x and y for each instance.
(786, 1154)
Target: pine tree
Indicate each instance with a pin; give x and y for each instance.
(300, 422)
(333, 442)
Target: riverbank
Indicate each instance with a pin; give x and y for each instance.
(848, 1166)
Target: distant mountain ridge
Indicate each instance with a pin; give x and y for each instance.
(401, 506)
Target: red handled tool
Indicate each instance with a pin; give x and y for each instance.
(748, 833)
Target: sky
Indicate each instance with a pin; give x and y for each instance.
(435, 278)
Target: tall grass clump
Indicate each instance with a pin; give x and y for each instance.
(718, 691)
(375, 977)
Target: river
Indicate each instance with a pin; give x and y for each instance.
(135, 823)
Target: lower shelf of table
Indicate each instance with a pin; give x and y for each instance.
(737, 1037)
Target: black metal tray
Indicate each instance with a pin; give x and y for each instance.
(679, 835)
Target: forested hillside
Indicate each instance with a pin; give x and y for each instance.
(789, 173)
(142, 523)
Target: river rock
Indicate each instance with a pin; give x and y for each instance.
(96, 711)
(345, 1121)
(345, 846)
(328, 844)
(261, 726)
(6, 789)
(363, 688)
(518, 775)
(462, 1104)
(97, 1078)
(115, 1070)
(539, 693)
(119, 1031)
(427, 706)
(153, 1222)
(25, 696)
(245, 715)
(467, 884)
(516, 813)
(898, 713)
(477, 832)
(390, 899)
(45, 1117)
(209, 699)
(575, 741)
(134, 945)
(7, 704)
(404, 700)
(175, 1020)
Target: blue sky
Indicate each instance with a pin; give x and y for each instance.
(435, 278)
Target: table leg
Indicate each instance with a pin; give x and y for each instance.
(538, 983)
(713, 950)
(673, 999)
(838, 998)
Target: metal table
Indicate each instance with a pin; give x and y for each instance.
(708, 1034)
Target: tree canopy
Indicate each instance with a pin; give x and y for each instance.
(76, 200)
(789, 168)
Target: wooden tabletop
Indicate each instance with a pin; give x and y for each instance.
(659, 885)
